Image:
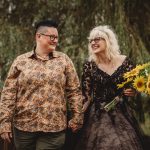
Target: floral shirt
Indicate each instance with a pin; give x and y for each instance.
(36, 94)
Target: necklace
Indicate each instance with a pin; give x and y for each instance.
(42, 57)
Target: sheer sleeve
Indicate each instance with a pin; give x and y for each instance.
(87, 82)
(129, 64)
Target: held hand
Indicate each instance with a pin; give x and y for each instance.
(6, 136)
(129, 92)
(73, 127)
(85, 106)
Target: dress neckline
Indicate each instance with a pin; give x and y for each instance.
(116, 70)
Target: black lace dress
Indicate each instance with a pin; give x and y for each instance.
(114, 130)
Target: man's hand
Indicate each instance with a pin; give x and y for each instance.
(129, 92)
(85, 106)
(73, 126)
(6, 136)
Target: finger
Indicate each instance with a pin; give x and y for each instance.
(10, 135)
(70, 125)
(129, 94)
(83, 110)
(2, 136)
(74, 130)
(7, 137)
(129, 91)
(126, 91)
(73, 127)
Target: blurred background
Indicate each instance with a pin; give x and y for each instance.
(129, 19)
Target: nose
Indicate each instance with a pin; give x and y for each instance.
(56, 39)
(92, 42)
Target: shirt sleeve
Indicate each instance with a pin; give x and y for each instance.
(87, 82)
(8, 98)
(73, 93)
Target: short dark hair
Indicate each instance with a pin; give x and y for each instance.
(46, 23)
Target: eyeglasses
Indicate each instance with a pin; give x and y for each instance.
(51, 37)
(96, 40)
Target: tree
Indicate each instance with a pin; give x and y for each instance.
(129, 19)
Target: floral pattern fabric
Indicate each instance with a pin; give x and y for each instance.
(35, 92)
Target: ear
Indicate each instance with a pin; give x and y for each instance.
(37, 36)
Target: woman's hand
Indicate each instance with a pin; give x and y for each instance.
(129, 92)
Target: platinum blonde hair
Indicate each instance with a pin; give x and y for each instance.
(112, 47)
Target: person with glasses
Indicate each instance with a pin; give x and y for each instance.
(39, 87)
(107, 129)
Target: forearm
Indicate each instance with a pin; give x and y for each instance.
(8, 98)
(75, 101)
(7, 107)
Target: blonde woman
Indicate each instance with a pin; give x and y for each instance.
(117, 128)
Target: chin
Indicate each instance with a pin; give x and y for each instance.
(52, 48)
(96, 51)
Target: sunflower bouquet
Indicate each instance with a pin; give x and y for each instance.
(138, 78)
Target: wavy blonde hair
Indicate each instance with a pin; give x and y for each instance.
(110, 37)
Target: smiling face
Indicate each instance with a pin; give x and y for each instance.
(47, 39)
(97, 42)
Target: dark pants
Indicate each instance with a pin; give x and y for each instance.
(38, 140)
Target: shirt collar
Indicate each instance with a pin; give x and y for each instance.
(53, 54)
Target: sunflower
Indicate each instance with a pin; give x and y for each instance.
(124, 83)
(132, 73)
(121, 85)
(139, 83)
(140, 67)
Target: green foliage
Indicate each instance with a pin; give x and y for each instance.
(76, 18)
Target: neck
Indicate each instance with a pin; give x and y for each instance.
(102, 58)
(41, 52)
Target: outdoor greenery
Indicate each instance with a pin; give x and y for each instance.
(129, 19)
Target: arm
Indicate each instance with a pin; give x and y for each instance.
(7, 103)
(74, 95)
(130, 92)
(87, 85)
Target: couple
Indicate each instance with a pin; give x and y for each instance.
(33, 100)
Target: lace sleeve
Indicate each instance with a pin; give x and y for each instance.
(129, 64)
(87, 82)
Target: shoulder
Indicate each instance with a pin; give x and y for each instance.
(62, 55)
(127, 61)
(87, 64)
(25, 55)
(59, 54)
(22, 58)
(121, 58)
